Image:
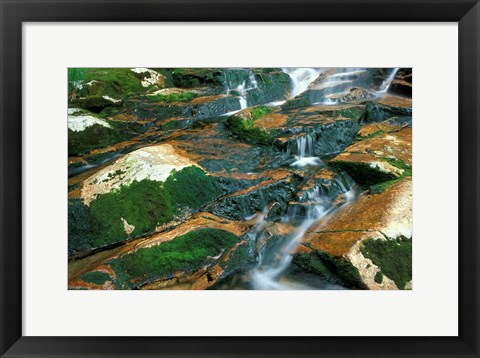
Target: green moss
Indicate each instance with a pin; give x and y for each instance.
(379, 132)
(393, 257)
(116, 173)
(260, 111)
(80, 227)
(363, 173)
(95, 277)
(238, 258)
(188, 252)
(142, 204)
(98, 136)
(407, 169)
(94, 104)
(378, 277)
(295, 103)
(76, 76)
(173, 97)
(113, 82)
(245, 129)
(145, 204)
(381, 187)
(331, 268)
(354, 112)
(197, 77)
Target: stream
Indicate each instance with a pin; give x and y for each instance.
(276, 242)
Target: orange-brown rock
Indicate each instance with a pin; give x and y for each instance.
(379, 216)
(380, 158)
(182, 280)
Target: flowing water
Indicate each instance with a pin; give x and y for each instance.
(388, 81)
(301, 78)
(273, 269)
(305, 147)
(273, 262)
(242, 89)
(274, 254)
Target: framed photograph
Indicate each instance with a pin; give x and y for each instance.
(239, 178)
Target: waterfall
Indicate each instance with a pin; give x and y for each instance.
(305, 152)
(242, 89)
(329, 101)
(388, 81)
(301, 78)
(242, 95)
(271, 264)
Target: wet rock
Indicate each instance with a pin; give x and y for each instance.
(391, 125)
(214, 247)
(271, 86)
(260, 85)
(96, 104)
(335, 83)
(244, 203)
(402, 83)
(325, 183)
(193, 77)
(113, 83)
(250, 125)
(347, 236)
(331, 127)
(378, 159)
(147, 188)
(356, 95)
(87, 131)
(377, 112)
(196, 109)
(153, 163)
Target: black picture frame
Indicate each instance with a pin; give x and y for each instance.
(15, 12)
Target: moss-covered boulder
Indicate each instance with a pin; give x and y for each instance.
(135, 195)
(346, 236)
(193, 255)
(378, 158)
(87, 131)
(197, 77)
(245, 125)
(96, 104)
(189, 252)
(115, 83)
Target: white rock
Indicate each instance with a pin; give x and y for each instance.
(153, 79)
(80, 123)
(153, 163)
(74, 110)
(112, 99)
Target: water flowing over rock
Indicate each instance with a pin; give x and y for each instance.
(386, 217)
(240, 178)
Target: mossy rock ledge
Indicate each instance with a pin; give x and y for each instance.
(368, 236)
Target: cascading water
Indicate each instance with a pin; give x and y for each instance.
(242, 95)
(272, 263)
(242, 89)
(305, 146)
(388, 81)
(301, 78)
